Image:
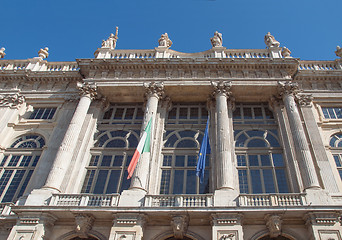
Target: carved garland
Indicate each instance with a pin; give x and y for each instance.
(13, 100)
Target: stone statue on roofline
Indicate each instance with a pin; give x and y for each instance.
(270, 41)
(111, 40)
(165, 41)
(43, 53)
(217, 40)
(338, 51)
(2, 52)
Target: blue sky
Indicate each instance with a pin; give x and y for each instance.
(75, 28)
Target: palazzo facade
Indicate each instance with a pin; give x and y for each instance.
(68, 131)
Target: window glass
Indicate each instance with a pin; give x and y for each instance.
(42, 113)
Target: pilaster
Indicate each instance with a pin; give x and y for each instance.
(128, 226)
(226, 226)
(323, 225)
(34, 226)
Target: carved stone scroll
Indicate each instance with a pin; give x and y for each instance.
(11, 100)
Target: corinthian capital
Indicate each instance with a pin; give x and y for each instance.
(11, 100)
(304, 99)
(286, 88)
(87, 89)
(154, 88)
(222, 88)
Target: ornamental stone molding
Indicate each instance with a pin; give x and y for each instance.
(230, 236)
(180, 225)
(2, 52)
(285, 52)
(43, 53)
(87, 89)
(270, 41)
(304, 100)
(165, 41)
(322, 218)
(222, 88)
(217, 40)
(84, 223)
(226, 219)
(274, 225)
(154, 88)
(128, 220)
(286, 88)
(11, 100)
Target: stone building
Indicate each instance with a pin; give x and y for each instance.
(69, 129)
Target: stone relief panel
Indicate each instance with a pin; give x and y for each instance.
(227, 235)
(125, 236)
(329, 235)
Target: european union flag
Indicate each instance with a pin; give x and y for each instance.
(205, 148)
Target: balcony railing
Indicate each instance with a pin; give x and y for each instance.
(205, 200)
(271, 200)
(90, 200)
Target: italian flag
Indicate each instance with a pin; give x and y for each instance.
(143, 146)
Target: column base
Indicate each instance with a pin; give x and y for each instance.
(38, 197)
(132, 198)
(317, 197)
(225, 197)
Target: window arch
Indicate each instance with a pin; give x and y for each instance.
(184, 127)
(107, 170)
(18, 164)
(336, 150)
(260, 162)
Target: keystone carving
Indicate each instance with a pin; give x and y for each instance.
(217, 40)
(2, 52)
(87, 89)
(153, 88)
(270, 41)
(286, 88)
(222, 88)
(165, 41)
(338, 51)
(111, 40)
(13, 100)
(273, 223)
(84, 223)
(43, 53)
(180, 226)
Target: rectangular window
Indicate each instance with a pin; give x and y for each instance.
(42, 113)
(332, 112)
(122, 114)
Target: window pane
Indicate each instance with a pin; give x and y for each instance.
(204, 187)
(180, 161)
(247, 113)
(253, 160)
(183, 113)
(13, 187)
(257, 143)
(258, 113)
(243, 182)
(167, 160)
(101, 181)
(106, 160)
(281, 180)
(118, 160)
(113, 181)
(129, 113)
(268, 181)
(256, 181)
(278, 160)
(191, 182)
(265, 160)
(165, 182)
(237, 113)
(337, 160)
(178, 182)
(192, 160)
(118, 113)
(241, 160)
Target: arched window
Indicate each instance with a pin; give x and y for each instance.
(117, 138)
(17, 166)
(260, 162)
(336, 149)
(184, 133)
(107, 170)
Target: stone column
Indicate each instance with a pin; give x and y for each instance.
(310, 180)
(140, 177)
(318, 149)
(66, 149)
(224, 160)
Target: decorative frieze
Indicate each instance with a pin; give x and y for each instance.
(122, 220)
(225, 219)
(322, 218)
(11, 100)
